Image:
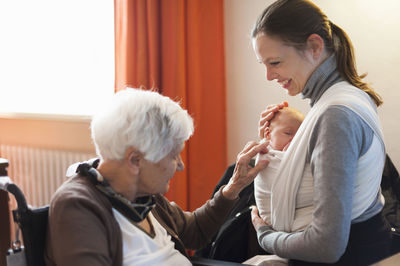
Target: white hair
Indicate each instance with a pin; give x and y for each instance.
(152, 123)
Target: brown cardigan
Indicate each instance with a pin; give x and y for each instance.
(82, 229)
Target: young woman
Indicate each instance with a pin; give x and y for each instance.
(340, 141)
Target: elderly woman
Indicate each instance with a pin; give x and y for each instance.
(116, 214)
(340, 142)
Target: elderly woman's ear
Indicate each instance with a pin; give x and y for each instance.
(132, 158)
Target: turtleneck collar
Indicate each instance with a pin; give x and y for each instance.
(321, 79)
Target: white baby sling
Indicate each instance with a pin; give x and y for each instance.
(285, 185)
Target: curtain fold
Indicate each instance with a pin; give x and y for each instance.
(177, 47)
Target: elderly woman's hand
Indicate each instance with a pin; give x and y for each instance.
(256, 219)
(266, 116)
(244, 174)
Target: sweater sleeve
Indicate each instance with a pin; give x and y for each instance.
(338, 139)
(196, 229)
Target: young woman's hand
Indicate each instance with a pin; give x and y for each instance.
(266, 116)
(256, 219)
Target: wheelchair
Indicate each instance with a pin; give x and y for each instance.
(31, 222)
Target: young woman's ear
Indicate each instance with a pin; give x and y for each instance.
(316, 45)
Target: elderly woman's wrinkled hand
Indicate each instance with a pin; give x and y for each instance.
(266, 116)
(244, 174)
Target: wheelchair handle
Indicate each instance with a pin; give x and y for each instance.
(3, 167)
(7, 185)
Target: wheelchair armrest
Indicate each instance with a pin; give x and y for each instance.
(7, 185)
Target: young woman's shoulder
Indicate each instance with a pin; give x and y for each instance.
(341, 126)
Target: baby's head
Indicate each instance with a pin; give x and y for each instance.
(283, 127)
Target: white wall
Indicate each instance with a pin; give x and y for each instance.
(374, 28)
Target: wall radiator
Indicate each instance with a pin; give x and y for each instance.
(39, 172)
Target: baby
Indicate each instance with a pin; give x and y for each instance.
(282, 129)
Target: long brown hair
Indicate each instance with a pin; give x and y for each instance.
(293, 21)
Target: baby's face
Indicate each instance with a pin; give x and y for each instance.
(282, 130)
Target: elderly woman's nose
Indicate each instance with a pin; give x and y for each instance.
(181, 165)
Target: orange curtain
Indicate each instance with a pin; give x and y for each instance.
(177, 47)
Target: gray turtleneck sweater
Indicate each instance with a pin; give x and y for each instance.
(339, 138)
